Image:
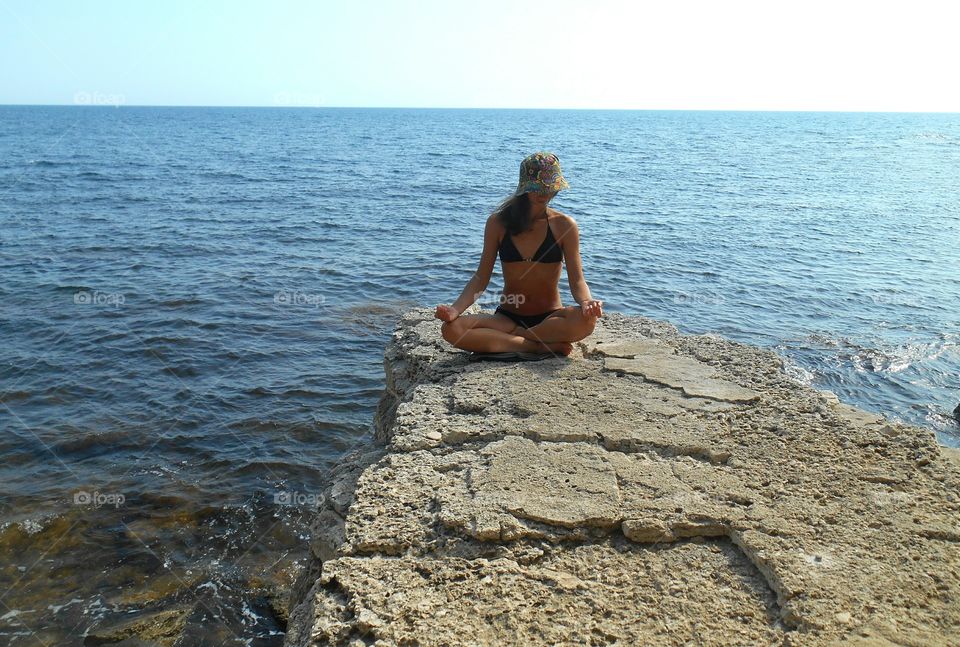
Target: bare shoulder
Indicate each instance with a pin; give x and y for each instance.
(563, 222)
(494, 224)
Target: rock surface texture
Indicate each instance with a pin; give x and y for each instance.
(651, 489)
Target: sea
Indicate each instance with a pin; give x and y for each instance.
(195, 302)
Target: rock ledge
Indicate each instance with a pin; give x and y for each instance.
(651, 489)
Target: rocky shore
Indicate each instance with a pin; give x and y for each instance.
(651, 489)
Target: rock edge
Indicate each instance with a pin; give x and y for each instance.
(652, 488)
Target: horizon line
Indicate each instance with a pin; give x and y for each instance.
(318, 107)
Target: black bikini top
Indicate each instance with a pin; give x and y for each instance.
(549, 251)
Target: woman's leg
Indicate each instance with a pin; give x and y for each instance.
(494, 333)
(565, 325)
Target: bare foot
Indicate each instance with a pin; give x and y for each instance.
(520, 331)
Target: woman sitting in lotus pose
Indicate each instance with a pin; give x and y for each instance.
(536, 320)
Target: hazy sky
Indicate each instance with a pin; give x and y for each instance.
(674, 54)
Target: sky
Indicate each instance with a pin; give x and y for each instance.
(843, 55)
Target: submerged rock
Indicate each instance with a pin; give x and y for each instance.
(652, 488)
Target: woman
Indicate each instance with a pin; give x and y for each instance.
(532, 241)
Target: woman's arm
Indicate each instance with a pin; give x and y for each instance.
(578, 285)
(481, 278)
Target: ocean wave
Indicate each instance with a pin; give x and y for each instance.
(95, 176)
(166, 340)
(238, 200)
(332, 224)
(305, 393)
(8, 397)
(181, 302)
(181, 323)
(110, 337)
(935, 137)
(795, 371)
(230, 175)
(181, 370)
(820, 339)
(72, 288)
(90, 444)
(892, 359)
(284, 467)
(27, 529)
(68, 393)
(292, 427)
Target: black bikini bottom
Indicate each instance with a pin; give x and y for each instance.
(527, 321)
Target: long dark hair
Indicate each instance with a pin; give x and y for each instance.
(514, 213)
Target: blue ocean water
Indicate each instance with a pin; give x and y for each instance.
(195, 303)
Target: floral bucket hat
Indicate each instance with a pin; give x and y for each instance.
(540, 173)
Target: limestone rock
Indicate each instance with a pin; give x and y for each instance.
(653, 488)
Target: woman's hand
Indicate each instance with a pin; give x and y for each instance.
(446, 313)
(592, 308)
